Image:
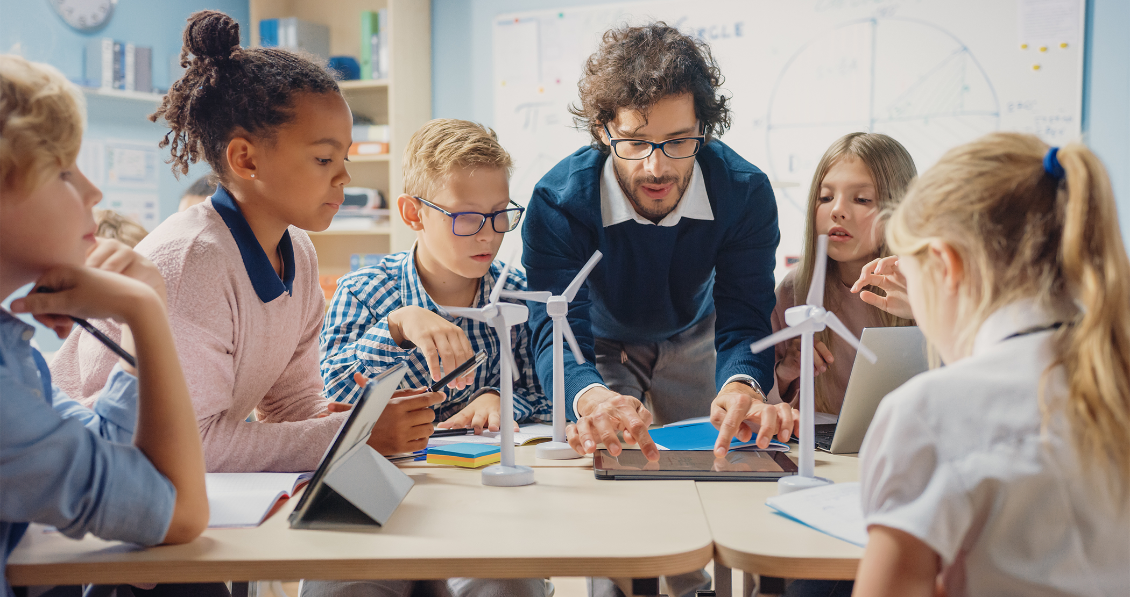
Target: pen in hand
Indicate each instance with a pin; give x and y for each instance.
(97, 333)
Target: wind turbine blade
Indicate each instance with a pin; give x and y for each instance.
(816, 289)
(499, 283)
(579, 279)
(538, 296)
(476, 314)
(838, 326)
(568, 333)
(503, 330)
(778, 337)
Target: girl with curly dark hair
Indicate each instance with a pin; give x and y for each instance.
(242, 275)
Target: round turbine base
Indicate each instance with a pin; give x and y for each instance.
(498, 475)
(556, 451)
(796, 483)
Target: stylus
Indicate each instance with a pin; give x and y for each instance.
(97, 333)
(459, 371)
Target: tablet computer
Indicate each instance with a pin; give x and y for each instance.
(326, 504)
(694, 465)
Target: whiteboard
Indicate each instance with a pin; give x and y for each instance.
(931, 73)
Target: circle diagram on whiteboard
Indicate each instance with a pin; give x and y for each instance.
(908, 79)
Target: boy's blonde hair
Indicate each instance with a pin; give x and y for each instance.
(891, 169)
(1024, 234)
(41, 122)
(444, 144)
(114, 225)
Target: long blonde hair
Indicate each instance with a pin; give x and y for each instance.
(1024, 234)
(891, 169)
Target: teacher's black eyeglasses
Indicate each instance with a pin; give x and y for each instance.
(638, 149)
(469, 223)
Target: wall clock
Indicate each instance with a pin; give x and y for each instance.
(84, 15)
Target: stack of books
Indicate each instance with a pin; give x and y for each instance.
(111, 64)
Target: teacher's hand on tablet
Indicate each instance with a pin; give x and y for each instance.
(603, 413)
(737, 403)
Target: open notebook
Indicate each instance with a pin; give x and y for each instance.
(238, 500)
(526, 435)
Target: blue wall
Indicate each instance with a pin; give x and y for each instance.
(462, 62)
(32, 29)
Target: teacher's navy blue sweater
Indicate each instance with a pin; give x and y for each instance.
(654, 281)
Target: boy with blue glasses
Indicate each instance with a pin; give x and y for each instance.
(457, 199)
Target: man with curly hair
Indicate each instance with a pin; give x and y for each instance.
(688, 230)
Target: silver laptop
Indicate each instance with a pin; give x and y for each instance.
(902, 355)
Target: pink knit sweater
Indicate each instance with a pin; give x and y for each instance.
(238, 353)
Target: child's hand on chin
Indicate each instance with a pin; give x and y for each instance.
(113, 256)
(83, 292)
(482, 412)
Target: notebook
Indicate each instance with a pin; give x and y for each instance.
(834, 509)
(239, 500)
(526, 435)
(699, 434)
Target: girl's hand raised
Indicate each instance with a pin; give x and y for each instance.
(884, 273)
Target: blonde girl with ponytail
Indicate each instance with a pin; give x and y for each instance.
(1006, 472)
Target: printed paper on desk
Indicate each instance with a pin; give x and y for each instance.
(834, 510)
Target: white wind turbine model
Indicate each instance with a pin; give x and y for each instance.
(502, 316)
(805, 321)
(557, 307)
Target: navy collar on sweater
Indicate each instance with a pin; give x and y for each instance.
(263, 276)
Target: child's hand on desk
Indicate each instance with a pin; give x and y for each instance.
(482, 412)
(113, 256)
(884, 273)
(438, 339)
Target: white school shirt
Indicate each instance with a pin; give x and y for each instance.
(956, 458)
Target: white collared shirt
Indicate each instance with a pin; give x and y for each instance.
(615, 206)
(962, 459)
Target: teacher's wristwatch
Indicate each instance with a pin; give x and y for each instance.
(751, 382)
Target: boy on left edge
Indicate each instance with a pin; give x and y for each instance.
(61, 463)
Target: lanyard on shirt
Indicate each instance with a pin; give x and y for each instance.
(1035, 330)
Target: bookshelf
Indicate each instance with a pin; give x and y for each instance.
(403, 101)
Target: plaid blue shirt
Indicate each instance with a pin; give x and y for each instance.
(355, 338)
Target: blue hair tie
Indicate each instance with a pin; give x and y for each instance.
(1052, 166)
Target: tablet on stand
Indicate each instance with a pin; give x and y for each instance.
(354, 486)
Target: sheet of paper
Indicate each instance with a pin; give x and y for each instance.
(525, 434)
(1050, 22)
(834, 509)
(237, 500)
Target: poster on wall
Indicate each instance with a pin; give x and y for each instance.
(127, 174)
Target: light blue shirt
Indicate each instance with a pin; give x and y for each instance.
(65, 465)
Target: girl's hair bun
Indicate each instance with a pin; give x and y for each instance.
(211, 34)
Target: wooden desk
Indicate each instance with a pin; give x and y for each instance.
(750, 536)
(448, 525)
